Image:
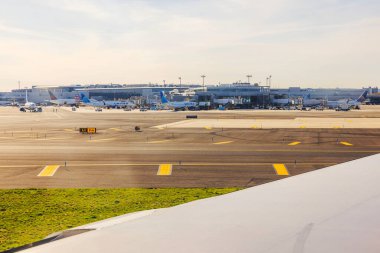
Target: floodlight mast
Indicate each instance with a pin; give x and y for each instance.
(203, 82)
(248, 77)
(270, 81)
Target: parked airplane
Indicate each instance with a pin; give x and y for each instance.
(176, 105)
(348, 103)
(92, 102)
(30, 106)
(308, 101)
(104, 103)
(62, 101)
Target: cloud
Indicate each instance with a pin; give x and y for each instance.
(93, 9)
(15, 30)
(137, 41)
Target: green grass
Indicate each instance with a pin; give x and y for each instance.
(30, 215)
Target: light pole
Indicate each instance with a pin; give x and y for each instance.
(270, 81)
(164, 83)
(180, 81)
(248, 77)
(203, 82)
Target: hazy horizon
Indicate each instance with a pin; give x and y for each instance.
(313, 44)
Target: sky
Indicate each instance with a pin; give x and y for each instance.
(314, 43)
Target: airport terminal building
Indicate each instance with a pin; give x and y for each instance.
(321, 93)
(236, 95)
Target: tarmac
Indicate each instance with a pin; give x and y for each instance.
(46, 150)
(321, 123)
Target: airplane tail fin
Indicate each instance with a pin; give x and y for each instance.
(84, 99)
(164, 100)
(52, 97)
(363, 96)
(26, 96)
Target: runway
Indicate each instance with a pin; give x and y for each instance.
(43, 150)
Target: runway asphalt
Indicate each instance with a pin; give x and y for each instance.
(45, 149)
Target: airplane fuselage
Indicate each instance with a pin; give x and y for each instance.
(64, 101)
(178, 105)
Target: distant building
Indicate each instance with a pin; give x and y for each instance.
(374, 98)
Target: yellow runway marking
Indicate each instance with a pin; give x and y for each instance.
(156, 163)
(208, 127)
(49, 171)
(152, 142)
(302, 126)
(164, 170)
(254, 126)
(281, 169)
(116, 129)
(69, 130)
(49, 139)
(222, 142)
(337, 127)
(294, 143)
(346, 143)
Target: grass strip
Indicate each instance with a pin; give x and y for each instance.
(28, 215)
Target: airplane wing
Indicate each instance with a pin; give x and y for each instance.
(335, 209)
